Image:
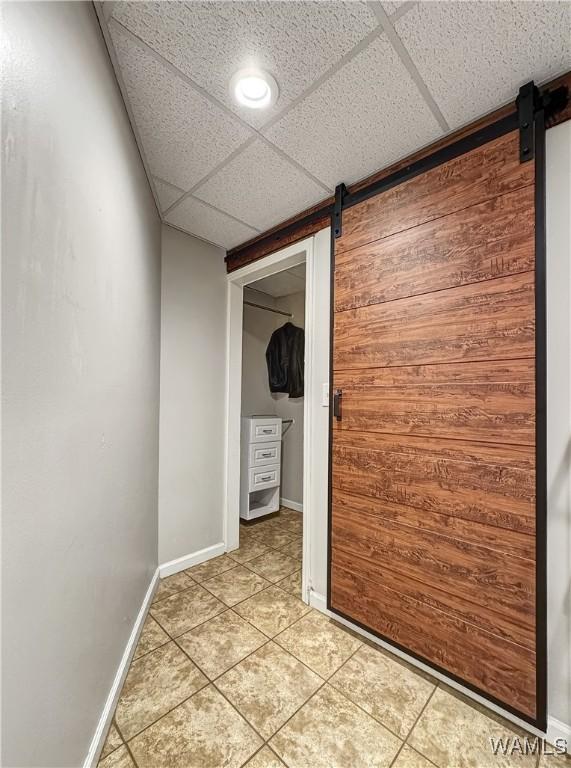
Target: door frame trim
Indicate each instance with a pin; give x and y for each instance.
(466, 144)
(293, 255)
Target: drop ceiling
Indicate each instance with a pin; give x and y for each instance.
(362, 84)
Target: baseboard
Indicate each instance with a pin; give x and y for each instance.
(295, 505)
(105, 720)
(555, 728)
(195, 558)
(318, 602)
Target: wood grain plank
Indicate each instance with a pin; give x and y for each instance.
(511, 456)
(288, 232)
(503, 669)
(492, 239)
(498, 589)
(515, 544)
(489, 401)
(493, 320)
(431, 594)
(485, 173)
(478, 488)
(433, 517)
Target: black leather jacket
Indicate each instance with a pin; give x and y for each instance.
(285, 357)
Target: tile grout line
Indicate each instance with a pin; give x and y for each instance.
(202, 687)
(355, 704)
(325, 682)
(125, 743)
(156, 648)
(269, 640)
(210, 681)
(227, 607)
(436, 687)
(201, 583)
(112, 724)
(247, 656)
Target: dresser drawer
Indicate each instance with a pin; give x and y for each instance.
(265, 430)
(264, 477)
(264, 453)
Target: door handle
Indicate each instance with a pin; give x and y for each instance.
(337, 398)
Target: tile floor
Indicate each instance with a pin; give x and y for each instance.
(233, 669)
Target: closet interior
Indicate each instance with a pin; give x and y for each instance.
(271, 461)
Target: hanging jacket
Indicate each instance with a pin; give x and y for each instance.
(285, 357)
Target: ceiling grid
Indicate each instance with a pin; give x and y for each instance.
(362, 84)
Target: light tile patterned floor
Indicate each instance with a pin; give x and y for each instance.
(232, 669)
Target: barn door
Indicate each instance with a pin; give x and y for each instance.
(437, 447)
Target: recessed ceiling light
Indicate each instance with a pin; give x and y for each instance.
(254, 88)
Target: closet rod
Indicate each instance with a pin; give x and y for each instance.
(268, 309)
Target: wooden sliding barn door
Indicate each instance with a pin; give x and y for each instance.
(435, 544)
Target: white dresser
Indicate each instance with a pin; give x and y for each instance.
(260, 458)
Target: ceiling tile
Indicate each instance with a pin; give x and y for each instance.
(209, 41)
(473, 56)
(366, 116)
(260, 187)
(183, 134)
(166, 193)
(199, 219)
(391, 6)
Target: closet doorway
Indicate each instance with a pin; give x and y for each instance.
(271, 449)
(270, 433)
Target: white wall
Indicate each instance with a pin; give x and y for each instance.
(193, 381)
(80, 332)
(559, 421)
(258, 327)
(291, 408)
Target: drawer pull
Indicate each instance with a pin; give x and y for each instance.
(268, 431)
(266, 454)
(265, 478)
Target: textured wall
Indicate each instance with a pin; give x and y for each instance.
(292, 408)
(256, 396)
(80, 333)
(193, 385)
(559, 422)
